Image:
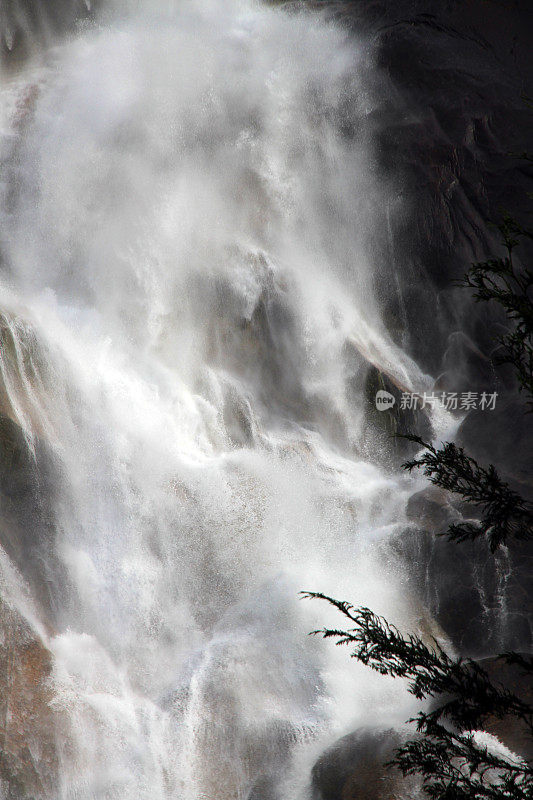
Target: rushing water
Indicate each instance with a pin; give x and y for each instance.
(187, 286)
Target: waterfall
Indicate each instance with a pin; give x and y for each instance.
(188, 316)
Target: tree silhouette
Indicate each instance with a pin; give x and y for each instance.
(453, 761)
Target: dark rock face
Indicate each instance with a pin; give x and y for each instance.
(354, 768)
(432, 508)
(449, 112)
(445, 120)
(28, 468)
(28, 25)
(380, 436)
(502, 437)
(264, 789)
(481, 600)
(26, 524)
(456, 73)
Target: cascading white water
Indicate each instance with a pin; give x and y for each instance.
(189, 289)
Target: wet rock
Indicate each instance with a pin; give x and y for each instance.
(480, 599)
(264, 789)
(512, 732)
(503, 437)
(354, 768)
(483, 601)
(28, 752)
(432, 509)
(446, 113)
(26, 26)
(26, 520)
(28, 468)
(466, 367)
(24, 374)
(382, 426)
(239, 422)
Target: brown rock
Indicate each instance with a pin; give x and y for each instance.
(28, 751)
(511, 731)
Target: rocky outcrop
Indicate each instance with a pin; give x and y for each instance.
(27, 25)
(447, 111)
(355, 768)
(28, 468)
(23, 374)
(28, 754)
(503, 437)
(28, 723)
(480, 599)
(433, 509)
(26, 520)
(382, 427)
(512, 732)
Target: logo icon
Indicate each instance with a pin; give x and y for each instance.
(384, 400)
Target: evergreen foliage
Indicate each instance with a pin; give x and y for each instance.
(503, 512)
(500, 279)
(453, 762)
